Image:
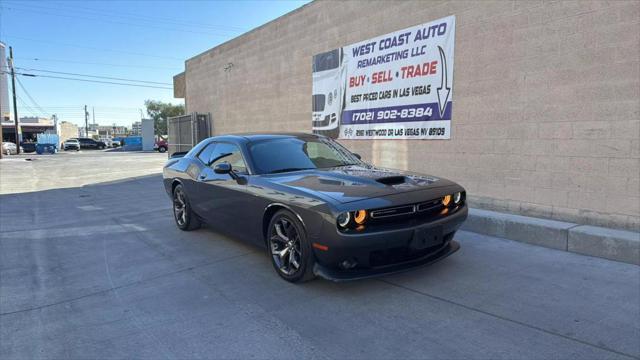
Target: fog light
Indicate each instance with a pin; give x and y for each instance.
(457, 197)
(348, 264)
(446, 200)
(344, 219)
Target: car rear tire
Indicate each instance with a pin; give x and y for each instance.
(289, 248)
(162, 149)
(185, 219)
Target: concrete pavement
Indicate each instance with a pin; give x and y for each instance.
(99, 270)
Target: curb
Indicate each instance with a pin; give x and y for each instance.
(618, 245)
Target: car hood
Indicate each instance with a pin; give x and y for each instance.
(357, 182)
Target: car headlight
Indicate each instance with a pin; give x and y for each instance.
(330, 98)
(344, 219)
(457, 198)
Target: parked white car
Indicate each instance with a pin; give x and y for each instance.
(71, 144)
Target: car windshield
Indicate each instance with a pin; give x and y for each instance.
(292, 154)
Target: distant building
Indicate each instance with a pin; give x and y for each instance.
(67, 130)
(29, 127)
(104, 131)
(136, 128)
(36, 121)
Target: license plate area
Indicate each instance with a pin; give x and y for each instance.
(426, 237)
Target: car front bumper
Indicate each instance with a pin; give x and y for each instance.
(356, 274)
(386, 251)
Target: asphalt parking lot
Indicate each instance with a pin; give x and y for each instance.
(92, 266)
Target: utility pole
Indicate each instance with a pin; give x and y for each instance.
(93, 110)
(15, 105)
(86, 122)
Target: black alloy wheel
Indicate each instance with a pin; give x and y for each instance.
(185, 219)
(289, 248)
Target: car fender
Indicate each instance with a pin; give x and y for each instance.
(311, 219)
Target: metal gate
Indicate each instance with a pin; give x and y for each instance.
(186, 131)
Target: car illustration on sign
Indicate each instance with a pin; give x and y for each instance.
(329, 77)
(317, 208)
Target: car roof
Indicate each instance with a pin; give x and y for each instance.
(258, 136)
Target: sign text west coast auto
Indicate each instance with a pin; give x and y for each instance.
(395, 86)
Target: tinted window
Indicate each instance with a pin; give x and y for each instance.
(281, 155)
(326, 61)
(317, 102)
(230, 153)
(205, 154)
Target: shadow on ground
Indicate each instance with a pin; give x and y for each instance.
(101, 271)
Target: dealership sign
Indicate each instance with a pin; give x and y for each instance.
(394, 86)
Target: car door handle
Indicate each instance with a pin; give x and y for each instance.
(202, 177)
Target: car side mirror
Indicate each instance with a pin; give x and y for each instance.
(358, 156)
(222, 168)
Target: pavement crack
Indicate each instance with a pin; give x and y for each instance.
(533, 327)
(134, 283)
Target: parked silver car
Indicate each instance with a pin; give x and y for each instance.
(10, 148)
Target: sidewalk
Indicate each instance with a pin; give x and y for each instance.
(612, 244)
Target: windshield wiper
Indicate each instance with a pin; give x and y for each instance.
(288, 169)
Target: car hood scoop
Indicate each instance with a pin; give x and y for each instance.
(392, 180)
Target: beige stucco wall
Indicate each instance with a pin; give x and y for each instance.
(68, 130)
(546, 107)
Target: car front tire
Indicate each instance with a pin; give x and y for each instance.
(185, 219)
(162, 149)
(289, 248)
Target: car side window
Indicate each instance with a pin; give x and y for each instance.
(229, 153)
(205, 154)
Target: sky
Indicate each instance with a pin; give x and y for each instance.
(139, 40)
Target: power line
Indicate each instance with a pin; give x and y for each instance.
(94, 48)
(100, 63)
(94, 76)
(25, 106)
(92, 81)
(102, 19)
(30, 97)
(145, 18)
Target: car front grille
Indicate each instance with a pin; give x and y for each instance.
(394, 211)
(407, 210)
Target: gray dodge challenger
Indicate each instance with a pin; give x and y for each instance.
(317, 208)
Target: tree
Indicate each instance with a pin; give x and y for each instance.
(159, 111)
